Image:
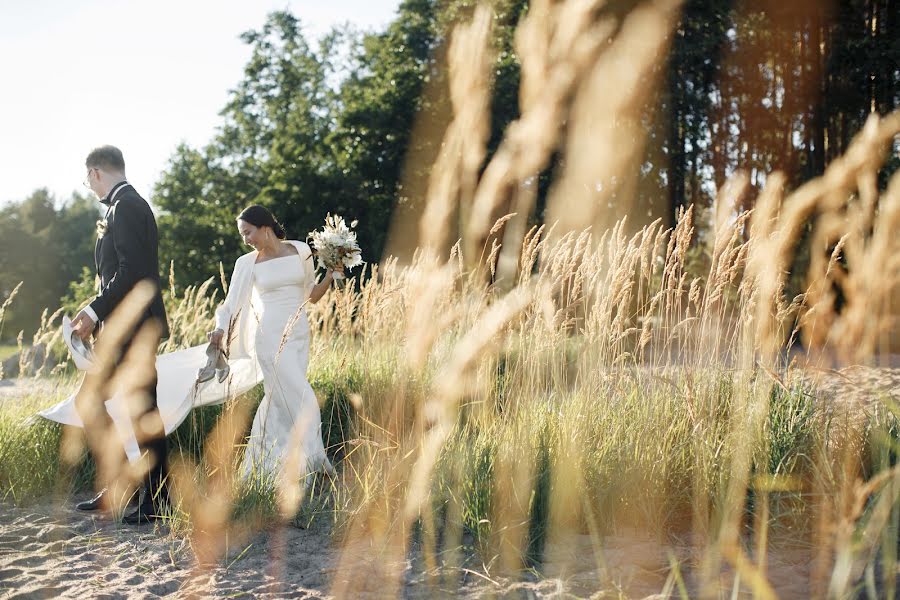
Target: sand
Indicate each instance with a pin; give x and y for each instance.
(57, 552)
(51, 550)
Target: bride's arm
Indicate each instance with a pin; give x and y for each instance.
(225, 311)
(320, 288)
(316, 290)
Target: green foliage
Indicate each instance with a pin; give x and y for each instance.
(7, 350)
(45, 245)
(333, 389)
(30, 463)
(789, 429)
(352, 125)
(293, 142)
(81, 291)
(379, 101)
(268, 151)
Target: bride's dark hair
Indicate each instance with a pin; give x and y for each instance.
(260, 216)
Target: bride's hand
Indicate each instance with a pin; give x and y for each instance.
(339, 270)
(215, 337)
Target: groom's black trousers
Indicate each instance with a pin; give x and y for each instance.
(151, 420)
(147, 425)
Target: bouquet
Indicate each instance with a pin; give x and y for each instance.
(336, 244)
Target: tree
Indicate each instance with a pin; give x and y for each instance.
(269, 151)
(45, 248)
(379, 103)
(354, 126)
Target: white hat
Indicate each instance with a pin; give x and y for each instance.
(81, 351)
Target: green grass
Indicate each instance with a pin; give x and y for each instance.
(30, 465)
(641, 436)
(645, 453)
(7, 350)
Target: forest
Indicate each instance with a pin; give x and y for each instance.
(352, 122)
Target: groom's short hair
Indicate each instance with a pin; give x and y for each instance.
(108, 158)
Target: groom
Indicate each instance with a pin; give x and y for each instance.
(125, 254)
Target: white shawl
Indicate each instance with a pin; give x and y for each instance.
(176, 390)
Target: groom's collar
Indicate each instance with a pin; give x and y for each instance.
(110, 198)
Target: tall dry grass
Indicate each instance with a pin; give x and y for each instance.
(536, 400)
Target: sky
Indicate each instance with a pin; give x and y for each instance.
(141, 75)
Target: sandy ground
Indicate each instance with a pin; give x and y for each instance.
(51, 550)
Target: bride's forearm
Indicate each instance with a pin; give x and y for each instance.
(320, 288)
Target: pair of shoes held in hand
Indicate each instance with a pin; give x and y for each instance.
(216, 365)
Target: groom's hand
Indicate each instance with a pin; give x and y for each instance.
(83, 326)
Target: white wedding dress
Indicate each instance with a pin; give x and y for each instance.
(264, 317)
(288, 419)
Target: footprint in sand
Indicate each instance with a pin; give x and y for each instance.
(28, 561)
(32, 538)
(89, 556)
(31, 521)
(41, 592)
(80, 571)
(12, 539)
(53, 548)
(163, 589)
(55, 533)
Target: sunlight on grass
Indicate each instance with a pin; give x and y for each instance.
(569, 400)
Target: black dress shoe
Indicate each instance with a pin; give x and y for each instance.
(95, 503)
(148, 510)
(102, 500)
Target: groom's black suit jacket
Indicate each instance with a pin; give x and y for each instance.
(127, 253)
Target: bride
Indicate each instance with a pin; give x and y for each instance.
(263, 314)
(262, 326)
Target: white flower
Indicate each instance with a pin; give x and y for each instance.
(336, 243)
(102, 226)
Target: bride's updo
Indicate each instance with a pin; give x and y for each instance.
(259, 216)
